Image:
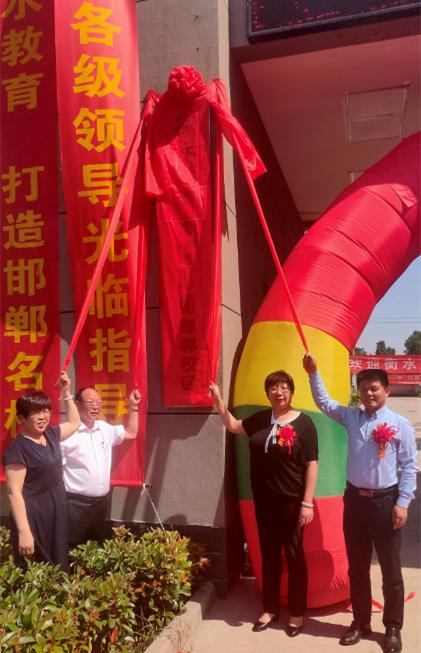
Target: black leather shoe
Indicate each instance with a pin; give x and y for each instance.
(260, 625)
(293, 631)
(354, 634)
(392, 642)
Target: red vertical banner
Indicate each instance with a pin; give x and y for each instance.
(99, 108)
(29, 338)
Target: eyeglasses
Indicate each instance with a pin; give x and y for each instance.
(92, 403)
(280, 386)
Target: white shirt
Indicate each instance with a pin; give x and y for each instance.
(87, 458)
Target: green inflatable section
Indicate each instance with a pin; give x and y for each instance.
(332, 454)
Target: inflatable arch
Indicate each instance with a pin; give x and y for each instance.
(336, 274)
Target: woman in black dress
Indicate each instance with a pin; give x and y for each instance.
(34, 479)
(283, 469)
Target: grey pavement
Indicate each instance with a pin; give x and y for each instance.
(410, 407)
(226, 628)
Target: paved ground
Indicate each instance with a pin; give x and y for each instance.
(410, 407)
(227, 626)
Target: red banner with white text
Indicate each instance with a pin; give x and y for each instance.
(99, 109)
(401, 368)
(30, 319)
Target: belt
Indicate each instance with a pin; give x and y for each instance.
(83, 498)
(371, 494)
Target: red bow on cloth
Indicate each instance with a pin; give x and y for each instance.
(184, 172)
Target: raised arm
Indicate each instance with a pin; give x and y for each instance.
(321, 397)
(15, 477)
(232, 424)
(132, 425)
(72, 422)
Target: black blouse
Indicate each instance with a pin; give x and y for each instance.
(43, 464)
(275, 468)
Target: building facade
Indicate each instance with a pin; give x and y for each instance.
(321, 103)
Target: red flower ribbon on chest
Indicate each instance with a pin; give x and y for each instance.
(381, 435)
(287, 437)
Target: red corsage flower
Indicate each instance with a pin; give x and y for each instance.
(381, 435)
(287, 437)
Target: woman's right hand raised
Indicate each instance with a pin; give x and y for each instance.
(214, 391)
(229, 421)
(26, 543)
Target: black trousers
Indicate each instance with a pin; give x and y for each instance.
(278, 527)
(87, 518)
(368, 523)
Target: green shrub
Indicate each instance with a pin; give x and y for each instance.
(5, 545)
(116, 599)
(354, 400)
(48, 610)
(160, 564)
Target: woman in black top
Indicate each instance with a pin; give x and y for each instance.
(283, 469)
(34, 479)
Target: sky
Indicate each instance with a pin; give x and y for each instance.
(397, 314)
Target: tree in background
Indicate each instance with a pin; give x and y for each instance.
(413, 343)
(359, 351)
(383, 350)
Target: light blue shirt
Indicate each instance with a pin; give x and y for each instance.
(365, 469)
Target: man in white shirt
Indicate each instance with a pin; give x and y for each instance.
(87, 458)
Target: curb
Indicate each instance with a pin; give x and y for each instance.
(176, 634)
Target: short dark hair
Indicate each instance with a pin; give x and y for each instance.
(280, 376)
(374, 374)
(32, 402)
(78, 395)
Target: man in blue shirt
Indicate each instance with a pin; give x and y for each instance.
(376, 499)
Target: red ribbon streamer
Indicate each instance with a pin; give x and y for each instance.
(378, 605)
(139, 356)
(228, 124)
(233, 132)
(129, 171)
(273, 250)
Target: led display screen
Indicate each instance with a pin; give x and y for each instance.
(271, 18)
